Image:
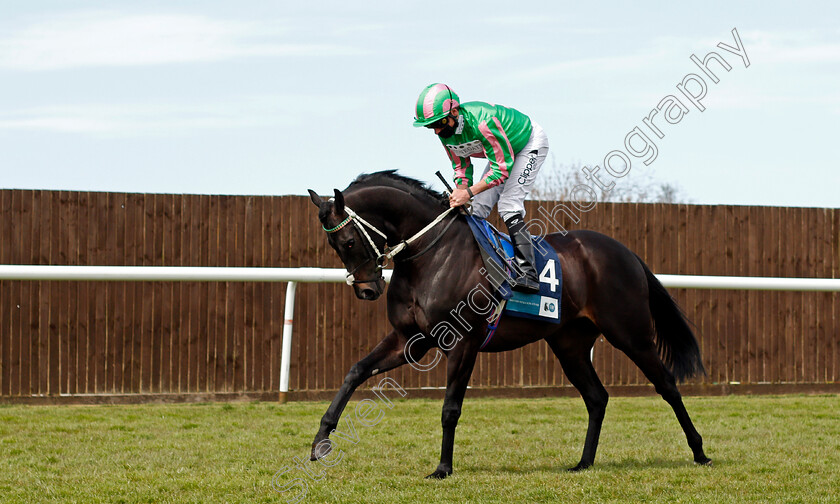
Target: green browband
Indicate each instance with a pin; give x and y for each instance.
(344, 223)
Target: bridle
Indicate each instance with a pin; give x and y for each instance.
(382, 257)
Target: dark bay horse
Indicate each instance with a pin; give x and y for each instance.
(606, 290)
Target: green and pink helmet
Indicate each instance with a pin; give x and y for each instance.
(434, 103)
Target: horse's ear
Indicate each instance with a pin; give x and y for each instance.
(315, 198)
(339, 202)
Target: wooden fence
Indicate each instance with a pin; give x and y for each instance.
(193, 339)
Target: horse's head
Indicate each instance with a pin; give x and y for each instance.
(352, 246)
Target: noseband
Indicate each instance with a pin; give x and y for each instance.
(381, 257)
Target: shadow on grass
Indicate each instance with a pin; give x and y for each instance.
(625, 464)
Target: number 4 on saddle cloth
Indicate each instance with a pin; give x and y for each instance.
(497, 252)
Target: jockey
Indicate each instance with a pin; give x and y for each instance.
(515, 148)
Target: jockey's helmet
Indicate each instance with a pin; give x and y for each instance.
(434, 104)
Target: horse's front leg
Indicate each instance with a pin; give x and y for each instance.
(458, 371)
(388, 354)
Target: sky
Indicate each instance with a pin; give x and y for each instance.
(274, 98)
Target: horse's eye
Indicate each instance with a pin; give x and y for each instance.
(350, 243)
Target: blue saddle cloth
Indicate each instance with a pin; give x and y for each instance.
(497, 252)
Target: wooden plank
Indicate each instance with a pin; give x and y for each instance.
(299, 247)
(227, 308)
(155, 259)
(85, 328)
(237, 369)
(201, 255)
(313, 256)
(835, 302)
(6, 217)
(99, 338)
(76, 374)
(802, 310)
(829, 329)
(38, 368)
(168, 307)
(833, 323)
(15, 333)
(251, 249)
(733, 315)
(694, 304)
(332, 329)
(756, 305)
(256, 331)
(716, 266)
(24, 299)
(789, 300)
(138, 211)
(58, 255)
(216, 293)
(742, 303)
(822, 260)
(276, 257)
(706, 328)
(69, 293)
(811, 318)
(180, 304)
(102, 292)
(749, 309)
(108, 256)
(689, 250)
(259, 331)
(270, 299)
(118, 306)
(787, 374)
(776, 329)
(710, 231)
(280, 243)
(148, 301)
(189, 302)
(131, 290)
(679, 215)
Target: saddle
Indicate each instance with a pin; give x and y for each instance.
(497, 253)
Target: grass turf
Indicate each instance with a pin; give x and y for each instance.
(765, 449)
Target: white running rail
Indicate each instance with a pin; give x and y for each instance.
(295, 275)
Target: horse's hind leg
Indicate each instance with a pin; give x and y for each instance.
(651, 365)
(639, 345)
(572, 348)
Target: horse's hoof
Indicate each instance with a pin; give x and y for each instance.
(705, 461)
(439, 474)
(580, 467)
(320, 449)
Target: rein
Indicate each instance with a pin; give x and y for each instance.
(382, 257)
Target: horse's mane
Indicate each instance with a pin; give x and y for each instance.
(390, 178)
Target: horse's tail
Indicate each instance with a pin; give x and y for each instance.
(675, 340)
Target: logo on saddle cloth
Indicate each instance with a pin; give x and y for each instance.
(497, 252)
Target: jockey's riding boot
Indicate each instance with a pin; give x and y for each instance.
(523, 253)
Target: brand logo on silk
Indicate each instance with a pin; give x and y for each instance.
(467, 149)
(532, 159)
